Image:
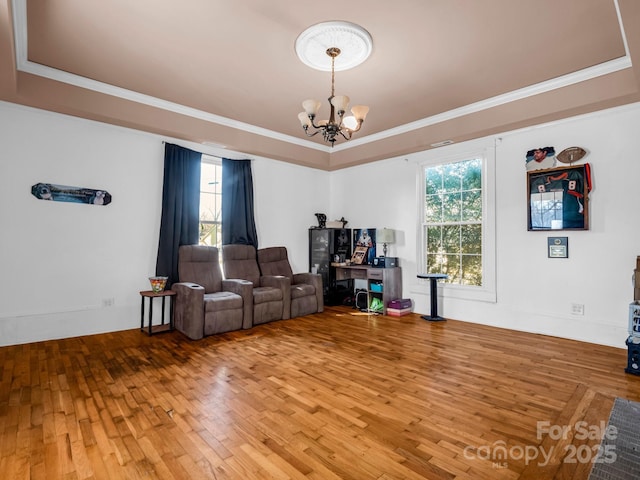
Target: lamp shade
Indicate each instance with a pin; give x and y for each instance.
(360, 112)
(386, 235)
(340, 102)
(304, 119)
(311, 107)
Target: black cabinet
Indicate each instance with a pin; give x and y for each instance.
(327, 246)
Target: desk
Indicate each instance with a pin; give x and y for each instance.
(433, 277)
(150, 294)
(387, 282)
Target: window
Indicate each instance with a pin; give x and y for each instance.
(453, 221)
(458, 237)
(210, 202)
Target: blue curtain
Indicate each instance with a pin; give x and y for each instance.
(180, 222)
(238, 221)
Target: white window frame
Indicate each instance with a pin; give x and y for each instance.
(453, 154)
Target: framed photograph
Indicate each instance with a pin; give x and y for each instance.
(359, 255)
(558, 198)
(541, 157)
(366, 237)
(558, 247)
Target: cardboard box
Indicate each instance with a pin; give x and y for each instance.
(399, 303)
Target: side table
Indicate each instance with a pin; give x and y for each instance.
(150, 294)
(433, 278)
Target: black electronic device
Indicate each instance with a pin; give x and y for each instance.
(385, 262)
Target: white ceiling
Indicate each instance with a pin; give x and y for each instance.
(222, 72)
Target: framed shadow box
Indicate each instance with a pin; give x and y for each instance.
(558, 198)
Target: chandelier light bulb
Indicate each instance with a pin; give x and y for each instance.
(349, 122)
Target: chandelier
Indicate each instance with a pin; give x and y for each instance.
(345, 126)
(356, 42)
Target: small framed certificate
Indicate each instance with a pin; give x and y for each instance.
(558, 247)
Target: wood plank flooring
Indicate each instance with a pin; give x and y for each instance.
(337, 395)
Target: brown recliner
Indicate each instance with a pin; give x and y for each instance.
(271, 294)
(205, 303)
(306, 288)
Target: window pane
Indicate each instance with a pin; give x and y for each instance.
(471, 270)
(434, 239)
(210, 176)
(433, 208)
(472, 175)
(210, 234)
(451, 207)
(433, 180)
(209, 207)
(451, 238)
(471, 239)
(472, 205)
(451, 267)
(451, 177)
(433, 263)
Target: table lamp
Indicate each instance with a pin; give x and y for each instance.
(385, 236)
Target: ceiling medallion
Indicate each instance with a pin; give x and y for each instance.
(332, 46)
(354, 42)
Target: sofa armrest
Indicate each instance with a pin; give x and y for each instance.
(188, 312)
(314, 279)
(244, 288)
(284, 284)
(308, 278)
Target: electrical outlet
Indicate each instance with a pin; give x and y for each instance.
(108, 302)
(577, 309)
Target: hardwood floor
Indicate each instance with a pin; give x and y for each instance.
(338, 395)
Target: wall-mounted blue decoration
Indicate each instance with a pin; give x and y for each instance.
(64, 193)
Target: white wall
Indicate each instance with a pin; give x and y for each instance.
(286, 198)
(534, 293)
(61, 261)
